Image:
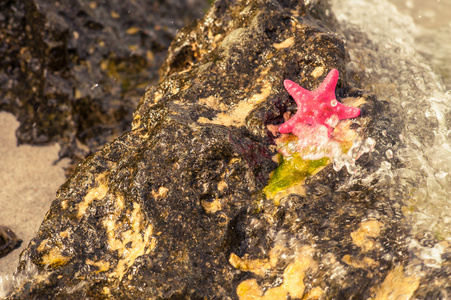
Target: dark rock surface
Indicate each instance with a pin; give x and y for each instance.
(174, 209)
(73, 72)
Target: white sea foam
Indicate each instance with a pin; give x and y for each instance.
(394, 70)
(348, 160)
(10, 282)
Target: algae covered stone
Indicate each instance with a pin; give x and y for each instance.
(175, 207)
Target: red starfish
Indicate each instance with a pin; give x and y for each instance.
(317, 108)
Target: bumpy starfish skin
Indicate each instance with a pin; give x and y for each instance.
(317, 108)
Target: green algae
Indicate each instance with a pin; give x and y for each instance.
(292, 171)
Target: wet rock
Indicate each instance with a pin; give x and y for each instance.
(73, 72)
(174, 207)
(8, 241)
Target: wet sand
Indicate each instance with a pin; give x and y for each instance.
(29, 183)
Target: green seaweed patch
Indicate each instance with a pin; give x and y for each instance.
(292, 170)
(301, 158)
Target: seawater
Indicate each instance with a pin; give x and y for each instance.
(385, 50)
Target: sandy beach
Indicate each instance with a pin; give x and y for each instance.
(29, 180)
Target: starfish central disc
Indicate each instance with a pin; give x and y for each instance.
(318, 107)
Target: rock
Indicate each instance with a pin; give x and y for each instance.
(8, 241)
(73, 72)
(174, 207)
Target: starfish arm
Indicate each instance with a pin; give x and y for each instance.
(346, 112)
(288, 126)
(296, 91)
(327, 87)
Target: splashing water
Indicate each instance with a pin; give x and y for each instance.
(348, 160)
(10, 282)
(382, 47)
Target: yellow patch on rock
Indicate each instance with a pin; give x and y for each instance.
(53, 255)
(65, 233)
(161, 193)
(213, 102)
(249, 290)
(204, 120)
(234, 160)
(256, 266)
(318, 72)
(136, 122)
(133, 30)
(43, 245)
(120, 202)
(101, 265)
(396, 286)
(285, 44)
(133, 47)
(364, 236)
(222, 185)
(293, 278)
(106, 290)
(131, 243)
(114, 15)
(211, 207)
(314, 294)
(158, 95)
(236, 115)
(54, 258)
(361, 264)
(64, 204)
(96, 193)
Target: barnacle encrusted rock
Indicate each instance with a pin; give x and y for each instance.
(174, 208)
